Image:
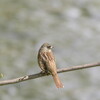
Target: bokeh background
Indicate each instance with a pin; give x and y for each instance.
(71, 26)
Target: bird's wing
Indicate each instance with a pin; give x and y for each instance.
(49, 60)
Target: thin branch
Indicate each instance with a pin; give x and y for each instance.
(33, 76)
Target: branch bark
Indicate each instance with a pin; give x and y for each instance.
(33, 76)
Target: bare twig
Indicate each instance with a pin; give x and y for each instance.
(33, 76)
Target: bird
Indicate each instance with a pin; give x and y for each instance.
(46, 61)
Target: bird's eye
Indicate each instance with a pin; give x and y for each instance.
(49, 47)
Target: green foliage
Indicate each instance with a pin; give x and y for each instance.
(1, 75)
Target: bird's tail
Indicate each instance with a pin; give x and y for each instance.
(57, 81)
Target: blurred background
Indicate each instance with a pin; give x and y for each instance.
(72, 27)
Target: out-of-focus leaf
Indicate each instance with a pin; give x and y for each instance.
(1, 75)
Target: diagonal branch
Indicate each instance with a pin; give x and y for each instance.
(33, 76)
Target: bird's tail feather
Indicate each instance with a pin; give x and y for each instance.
(57, 81)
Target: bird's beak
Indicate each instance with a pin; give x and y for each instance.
(52, 47)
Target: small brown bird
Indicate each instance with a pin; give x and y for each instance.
(47, 63)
